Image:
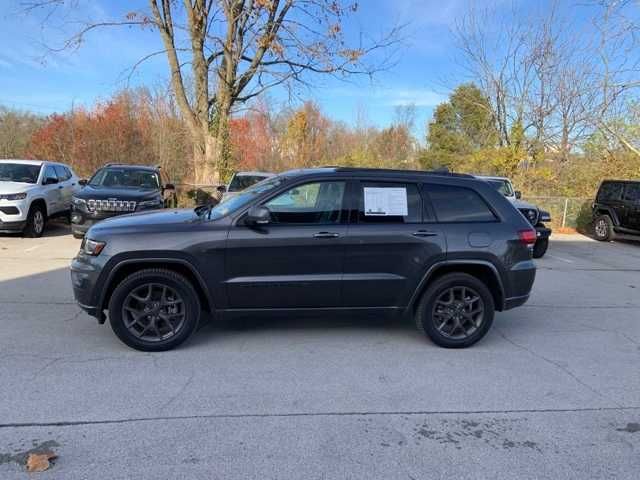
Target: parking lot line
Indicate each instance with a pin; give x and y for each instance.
(559, 258)
(31, 249)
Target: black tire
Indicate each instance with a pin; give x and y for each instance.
(36, 222)
(540, 248)
(603, 228)
(180, 284)
(424, 313)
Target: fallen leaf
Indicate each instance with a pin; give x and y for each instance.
(39, 462)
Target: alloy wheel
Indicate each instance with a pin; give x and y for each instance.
(601, 228)
(154, 312)
(38, 222)
(458, 312)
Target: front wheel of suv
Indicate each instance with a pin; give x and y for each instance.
(154, 310)
(603, 228)
(36, 221)
(540, 248)
(455, 311)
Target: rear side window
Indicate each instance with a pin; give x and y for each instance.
(458, 204)
(610, 191)
(632, 192)
(389, 202)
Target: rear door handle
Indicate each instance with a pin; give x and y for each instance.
(326, 235)
(424, 233)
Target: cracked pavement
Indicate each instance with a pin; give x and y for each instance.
(553, 391)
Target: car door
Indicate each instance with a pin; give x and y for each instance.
(64, 181)
(295, 261)
(52, 190)
(632, 206)
(390, 244)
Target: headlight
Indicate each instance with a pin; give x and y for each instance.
(156, 202)
(14, 196)
(78, 202)
(92, 247)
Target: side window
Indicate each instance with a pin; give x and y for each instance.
(632, 192)
(610, 191)
(458, 204)
(62, 173)
(50, 172)
(318, 202)
(389, 202)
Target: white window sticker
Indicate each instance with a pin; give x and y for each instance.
(385, 201)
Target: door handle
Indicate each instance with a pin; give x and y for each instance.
(326, 235)
(424, 233)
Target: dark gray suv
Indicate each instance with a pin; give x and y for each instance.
(446, 250)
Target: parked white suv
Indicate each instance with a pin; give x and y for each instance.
(31, 192)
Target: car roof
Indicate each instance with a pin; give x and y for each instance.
(620, 181)
(24, 162)
(491, 177)
(374, 172)
(255, 173)
(130, 166)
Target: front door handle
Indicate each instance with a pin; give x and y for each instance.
(326, 235)
(424, 233)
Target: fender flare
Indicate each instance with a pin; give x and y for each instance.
(166, 260)
(610, 212)
(460, 262)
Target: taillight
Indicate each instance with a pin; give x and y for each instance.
(528, 237)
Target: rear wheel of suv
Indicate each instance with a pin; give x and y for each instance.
(603, 228)
(455, 311)
(36, 221)
(154, 310)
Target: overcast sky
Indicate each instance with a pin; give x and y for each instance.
(425, 65)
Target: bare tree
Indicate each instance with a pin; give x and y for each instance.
(234, 50)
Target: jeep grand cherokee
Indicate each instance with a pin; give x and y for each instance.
(447, 250)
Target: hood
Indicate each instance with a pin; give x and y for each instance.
(105, 193)
(151, 220)
(15, 187)
(522, 204)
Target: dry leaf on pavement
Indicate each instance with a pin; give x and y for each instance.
(39, 462)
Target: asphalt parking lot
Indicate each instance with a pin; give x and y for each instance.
(553, 391)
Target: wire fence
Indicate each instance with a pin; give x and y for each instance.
(566, 212)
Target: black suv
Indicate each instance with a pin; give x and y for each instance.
(116, 189)
(616, 209)
(444, 249)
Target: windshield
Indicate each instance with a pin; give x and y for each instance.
(125, 178)
(502, 186)
(19, 172)
(243, 198)
(240, 182)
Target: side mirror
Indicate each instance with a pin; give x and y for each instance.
(83, 182)
(222, 188)
(518, 194)
(50, 181)
(259, 215)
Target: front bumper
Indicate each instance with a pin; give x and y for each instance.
(542, 232)
(13, 214)
(84, 278)
(12, 227)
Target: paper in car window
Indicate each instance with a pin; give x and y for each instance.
(385, 201)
